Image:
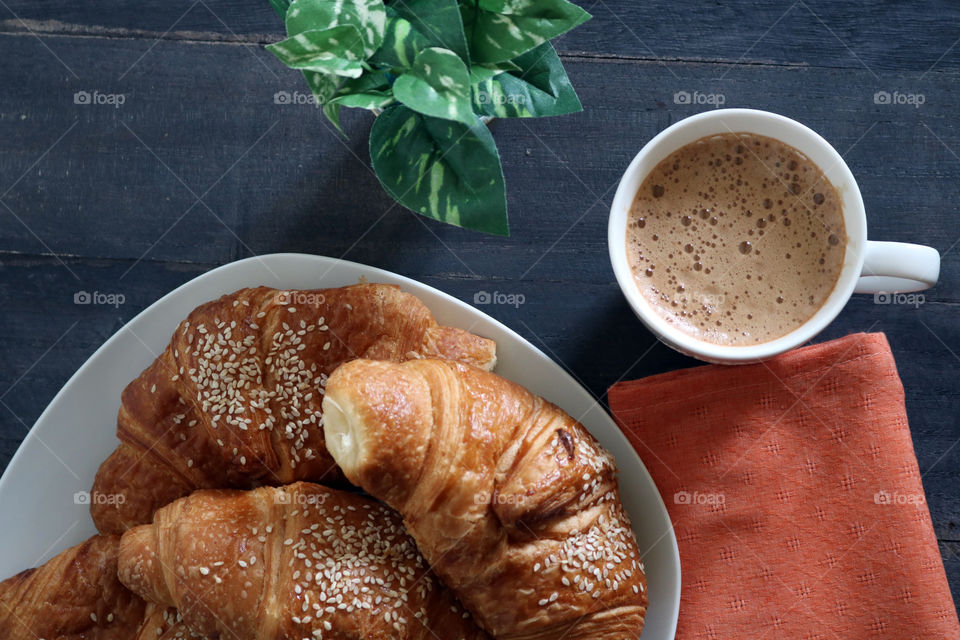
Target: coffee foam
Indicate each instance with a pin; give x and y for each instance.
(736, 239)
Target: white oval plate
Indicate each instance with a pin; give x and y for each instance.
(42, 499)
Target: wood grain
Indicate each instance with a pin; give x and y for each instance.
(199, 166)
(857, 34)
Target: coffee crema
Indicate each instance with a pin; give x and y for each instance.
(736, 239)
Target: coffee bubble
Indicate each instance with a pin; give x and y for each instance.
(702, 249)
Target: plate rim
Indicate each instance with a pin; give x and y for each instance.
(330, 262)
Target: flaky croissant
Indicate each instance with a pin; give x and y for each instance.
(301, 561)
(235, 399)
(76, 595)
(512, 502)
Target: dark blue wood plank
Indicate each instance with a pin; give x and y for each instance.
(104, 189)
(856, 34)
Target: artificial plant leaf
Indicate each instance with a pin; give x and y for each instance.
(369, 82)
(369, 91)
(280, 6)
(322, 85)
(337, 50)
(332, 112)
(442, 169)
(438, 85)
(364, 100)
(500, 30)
(482, 72)
(368, 16)
(415, 25)
(439, 20)
(539, 88)
(400, 43)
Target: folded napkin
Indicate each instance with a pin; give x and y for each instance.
(795, 496)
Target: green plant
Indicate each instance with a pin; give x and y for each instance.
(434, 69)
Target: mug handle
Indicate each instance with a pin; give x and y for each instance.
(890, 267)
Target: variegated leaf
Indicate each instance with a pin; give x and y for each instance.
(364, 100)
(369, 82)
(438, 85)
(337, 50)
(415, 25)
(539, 87)
(332, 112)
(442, 169)
(368, 16)
(500, 30)
(280, 6)
(369, 91)
(483, 72)
(322, 85)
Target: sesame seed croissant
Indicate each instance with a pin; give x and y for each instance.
(76, 595)
(234, 400)
(290, 563)
(512, 501)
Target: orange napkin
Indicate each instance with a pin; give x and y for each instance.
(795, 496)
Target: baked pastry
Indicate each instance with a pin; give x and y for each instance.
(512, 502)
(234, 400)
(301, 561)
(76, 595)
(165, 623)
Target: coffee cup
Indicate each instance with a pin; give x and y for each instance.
(868, 266)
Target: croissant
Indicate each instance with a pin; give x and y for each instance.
(512, 501)
(301, 561)
(234, 400)
(77, 595)
(165, 623)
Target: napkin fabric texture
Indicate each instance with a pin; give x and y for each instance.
(795, 496)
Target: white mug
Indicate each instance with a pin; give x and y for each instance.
(868, 267)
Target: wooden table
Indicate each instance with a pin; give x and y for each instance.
(199, 166)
